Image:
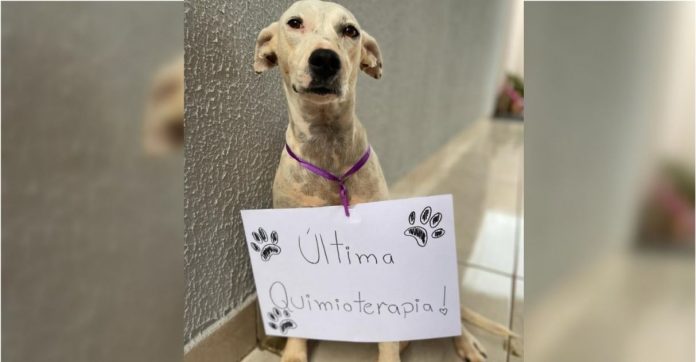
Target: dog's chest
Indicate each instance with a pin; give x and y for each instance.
(296, 187)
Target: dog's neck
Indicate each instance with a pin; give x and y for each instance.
(327, 135)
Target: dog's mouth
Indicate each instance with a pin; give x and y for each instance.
(321, 90)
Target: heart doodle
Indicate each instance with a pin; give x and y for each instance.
(443, 310)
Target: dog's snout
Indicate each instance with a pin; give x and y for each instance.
(324, 63)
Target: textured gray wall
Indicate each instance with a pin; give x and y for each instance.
(91, 228)
(441, 60)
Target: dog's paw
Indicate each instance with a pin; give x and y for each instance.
(295, 351)
(468, 348)
(514, 346)
(295, 357)
(382, 358)
(429, 221)
(388, 359)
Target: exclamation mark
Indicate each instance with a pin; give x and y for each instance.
(443, 310)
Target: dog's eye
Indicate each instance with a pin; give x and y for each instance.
(350, 31)
(295, 23)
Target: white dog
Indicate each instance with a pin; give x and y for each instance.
(320, 48)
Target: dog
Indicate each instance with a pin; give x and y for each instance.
(320, 48)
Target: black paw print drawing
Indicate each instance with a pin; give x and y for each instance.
(428, 220)
(281, 320)
(262, 246)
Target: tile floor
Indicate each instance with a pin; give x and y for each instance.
(483, 168)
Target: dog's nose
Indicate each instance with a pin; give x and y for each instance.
(324, 63)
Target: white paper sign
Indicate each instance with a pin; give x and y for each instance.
(387, 273)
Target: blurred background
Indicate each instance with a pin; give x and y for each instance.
(92, 230)
(609, 188)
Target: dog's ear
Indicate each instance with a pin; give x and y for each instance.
(371, 58)
(265, 54)
(163, 129)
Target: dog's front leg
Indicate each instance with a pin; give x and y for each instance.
(468, 348)
(295, 350)
(388, 352)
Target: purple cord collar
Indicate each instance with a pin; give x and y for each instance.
(342, 191)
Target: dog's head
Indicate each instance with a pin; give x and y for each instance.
(319, 47)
